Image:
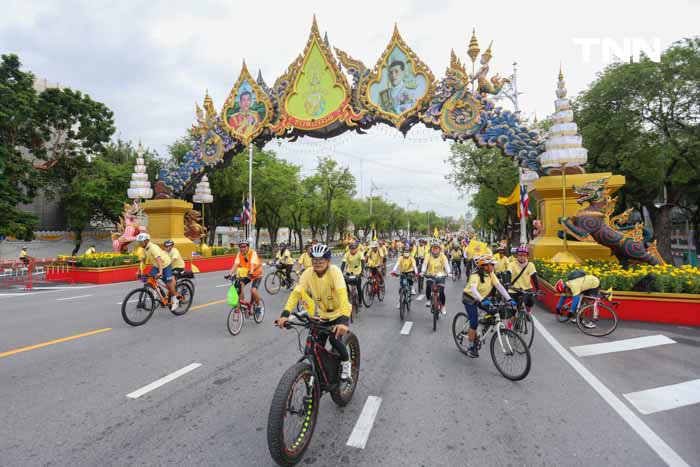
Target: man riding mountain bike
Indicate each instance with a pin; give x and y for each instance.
(160, 266)
(375, 261)
(436, 264)
(352, 265)
(406, 264)
(249, 270)
(285, 260)
(178, 264)
(330, 295)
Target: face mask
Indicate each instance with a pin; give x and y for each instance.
(405, 255)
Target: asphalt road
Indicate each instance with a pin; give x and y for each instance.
(65, 403)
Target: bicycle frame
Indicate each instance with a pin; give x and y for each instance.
(242, 303)
(494, 323)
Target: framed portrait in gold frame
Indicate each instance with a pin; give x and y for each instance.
(247, 109)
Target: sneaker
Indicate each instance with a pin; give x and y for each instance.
(589, 325)
(174, 303)
(413, 291)
(572, 318)
(427, 304)
(444, 309)
(345, 370)
(472, 352)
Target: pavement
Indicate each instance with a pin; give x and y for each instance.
(78, 386)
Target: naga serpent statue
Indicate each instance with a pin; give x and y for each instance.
(593, 223)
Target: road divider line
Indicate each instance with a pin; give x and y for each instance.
(130, 301)
(53, 342)
(203, 305)
(72, 298)
(223, 285)
(621, 345)
(406, 329)
(665, 397)
(654, 441)
(363, 426)
(164, 380)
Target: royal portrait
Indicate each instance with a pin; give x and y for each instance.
(399, 88)
(245, 116)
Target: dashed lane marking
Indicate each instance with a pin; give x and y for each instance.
(621, 345)
(72, 298)
(406, 329)
(665, 397)
(654, 441)
(162, 381)
(223, 285)
(53, 342)
(363, 427)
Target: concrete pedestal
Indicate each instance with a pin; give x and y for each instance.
(547, 193)
(166, 221)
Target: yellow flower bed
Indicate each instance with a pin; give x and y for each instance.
(101, 260)
(668, 278)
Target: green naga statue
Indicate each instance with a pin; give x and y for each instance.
(593, 223)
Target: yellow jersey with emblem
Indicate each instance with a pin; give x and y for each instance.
(328, 292)
(353, 263)
(285, 258)
(434, 266)
(374, 258)
(407, 264)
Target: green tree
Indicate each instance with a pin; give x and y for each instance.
(642, 120)
(333, 181)
(179, 148)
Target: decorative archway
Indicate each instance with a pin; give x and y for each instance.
(314, 98)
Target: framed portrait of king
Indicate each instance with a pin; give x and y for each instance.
(400, 85)
(247, 109)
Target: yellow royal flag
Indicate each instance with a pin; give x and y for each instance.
(195, 269)
(513, 198)
(255, 212)
(436, 233)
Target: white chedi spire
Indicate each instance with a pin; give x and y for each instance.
(140, 187)
(564, 145)
(202, 192)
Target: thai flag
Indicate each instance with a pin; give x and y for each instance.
(524, 203)
(245, 215)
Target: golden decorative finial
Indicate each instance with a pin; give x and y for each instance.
(314, 26)
(209, 105)
(561, 73)
(488, 54)
(198, 111)
(534, 121)
(473, 50)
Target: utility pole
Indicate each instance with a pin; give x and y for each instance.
(408, 214)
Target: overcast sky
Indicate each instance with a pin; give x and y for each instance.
(150, 61)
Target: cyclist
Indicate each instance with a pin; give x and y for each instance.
(577, 282)
(330, 295)
(375, 261)
(304, 261)
(435, 263)
(352, 262)
(160, 266)
(479, 286)
(523, 273)
(178, 264)
(285, 261)
(384, 252)
(406, 264)
(249, 269)
(456, 257)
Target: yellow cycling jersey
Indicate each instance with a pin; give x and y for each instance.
(305, 260)
(328, 292)
(484, 288)
(153, 252)
(285, 258)
(353, 263)
(434, 266)
(406, 264)
(523, 281)
(176, 258)
(455, 254)
(384, 251)
(582, 284)
(374, 258)
(422, 251)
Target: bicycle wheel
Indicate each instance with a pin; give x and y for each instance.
(292, 417)
(273, 282)
(188, 282)
(402, 305)
(259, 317)
(602, 325)
(420, 285)
(435, 309)
(343, 394)
(460, 328)
(381, 291)
(184, 295)
(235, 321)
(138, 307)
(510, 355)
(525, 327)
(367, 294)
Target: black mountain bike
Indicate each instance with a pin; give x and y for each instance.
(456, 270)
(294, 408)
(419, 265)
(404, 294)
(354, 297)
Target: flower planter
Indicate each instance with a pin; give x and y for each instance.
(651, 307)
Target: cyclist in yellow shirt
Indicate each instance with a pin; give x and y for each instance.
(304, 261)
(456, 256)
(436, 266)
(523, 275)
(160, 265)
(352, 265)
(406, 264)
(177, 263)
(577, 282)
(384, 252)
(375, 261)
(285, 261)
(329, 293)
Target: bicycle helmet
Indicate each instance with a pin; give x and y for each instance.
(406, 249)
(320, 251)
(245, 241)
(374, 244)
(435, 242)
(168, 243)
(422, 240)
(522, 249)
(483, 260)
(560, 287)
(142, 237)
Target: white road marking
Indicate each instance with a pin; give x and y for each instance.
(73, 287)
(363, 426)
(164, 380)
(72, 298)
(665, 397)
(420, 297)
(130, 301)
(223, 285)
(621, 345)
(654, 441)
(406, 329)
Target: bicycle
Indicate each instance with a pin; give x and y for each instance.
(435, 305)
(351, 281)
(589, 318)
(373, 288)
(511, 347)
(404, 294)
(244, 310)
(184, 277)
(523, 323)
(295, 404)
(456, 270)
(419, 266)
(152, 295)
(277, 278)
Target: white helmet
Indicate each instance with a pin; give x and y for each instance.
(142, 237)
(435, 242)
(374, 244)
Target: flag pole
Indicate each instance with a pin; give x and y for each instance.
(523, 213)
(250, 194)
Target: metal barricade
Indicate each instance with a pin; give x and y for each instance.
(15, 273)
(60, 270)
